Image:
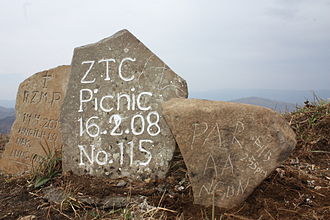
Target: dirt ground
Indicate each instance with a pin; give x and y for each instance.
(299, 189)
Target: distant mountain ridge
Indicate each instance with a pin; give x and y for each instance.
(7, 103)
(7, 118)
(5, 124)
(6, 112)
(289, 96)
(272, 104)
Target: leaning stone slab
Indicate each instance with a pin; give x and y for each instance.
(35, 131)
(111, 119)
(229, 148)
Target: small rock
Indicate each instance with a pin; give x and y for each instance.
(311, 183)
(57, 195)
(281, 172)
(52, 194)
(179, 188)
(148, 180)
(121, 183)
(28, 217)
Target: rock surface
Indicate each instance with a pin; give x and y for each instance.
(112, 125)
(35, 131)
(58, 195)
(229, 148)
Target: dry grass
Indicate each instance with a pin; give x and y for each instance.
(299, 189)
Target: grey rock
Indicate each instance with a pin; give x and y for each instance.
(229, 148)
(53, 194)
(111, 120)
(58, 195)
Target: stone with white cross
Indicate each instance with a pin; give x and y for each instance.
(35, 133)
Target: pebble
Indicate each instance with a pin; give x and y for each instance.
(121, 183)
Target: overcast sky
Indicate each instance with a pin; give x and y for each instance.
(213, 44)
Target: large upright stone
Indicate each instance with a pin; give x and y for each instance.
(229, 148)
(111, 118)
(35, 131)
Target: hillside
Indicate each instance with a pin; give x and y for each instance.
(297, 190)
(272, 104)
(6, 123)
(6, 112)
(7, 118)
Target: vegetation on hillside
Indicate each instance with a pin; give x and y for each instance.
(299, 189)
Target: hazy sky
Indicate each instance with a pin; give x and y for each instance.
(213, 44)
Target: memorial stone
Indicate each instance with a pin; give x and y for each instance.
(229, 148)
(35, 132)
(111, 120)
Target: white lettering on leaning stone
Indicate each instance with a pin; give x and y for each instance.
(143, 121)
